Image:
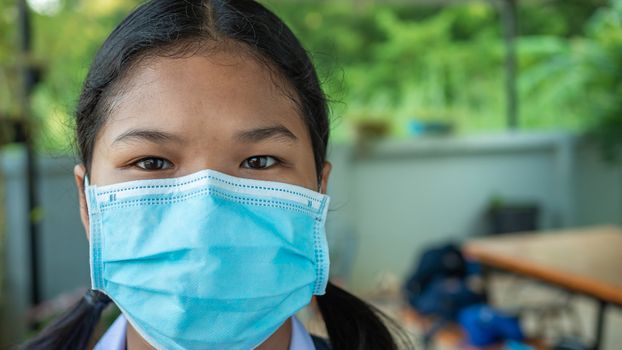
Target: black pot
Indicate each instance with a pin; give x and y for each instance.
(513, 218)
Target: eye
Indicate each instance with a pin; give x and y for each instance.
(153, 164)
(259, 162)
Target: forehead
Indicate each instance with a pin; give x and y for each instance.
(203, 95)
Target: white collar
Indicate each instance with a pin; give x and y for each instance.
(114, 338)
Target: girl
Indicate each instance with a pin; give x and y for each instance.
(202, 131)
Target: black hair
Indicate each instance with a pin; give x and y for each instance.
(181, 27)
(72, 330)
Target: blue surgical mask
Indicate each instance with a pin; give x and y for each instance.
(207, 261)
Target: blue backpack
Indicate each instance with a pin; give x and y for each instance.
(438, 287)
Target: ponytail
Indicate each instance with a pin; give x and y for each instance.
(352, 324)
(73, 329)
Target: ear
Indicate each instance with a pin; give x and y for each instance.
(79, 171)
(325, 175)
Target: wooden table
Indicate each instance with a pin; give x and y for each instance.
(587, 261)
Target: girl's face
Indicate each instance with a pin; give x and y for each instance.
(224, 111)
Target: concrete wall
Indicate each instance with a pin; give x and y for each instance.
(389, 201)
(63, 246)
(598, 188)
(401, 196)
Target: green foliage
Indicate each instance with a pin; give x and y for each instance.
(605, 82)
(578, 78)
(399, 63)
(63, 46)
(8, 59)
(446, 63)
(380, 61)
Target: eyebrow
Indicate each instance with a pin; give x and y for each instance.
(155, 136)
(277, 132)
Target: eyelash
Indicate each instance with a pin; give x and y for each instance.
(245, 164)
(145, 159)
(275, 160)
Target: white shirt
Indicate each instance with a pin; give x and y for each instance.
(114, 338)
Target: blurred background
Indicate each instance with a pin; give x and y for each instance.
(453, 121)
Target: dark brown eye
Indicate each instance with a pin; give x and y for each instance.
(153, 163)
(259, 162)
